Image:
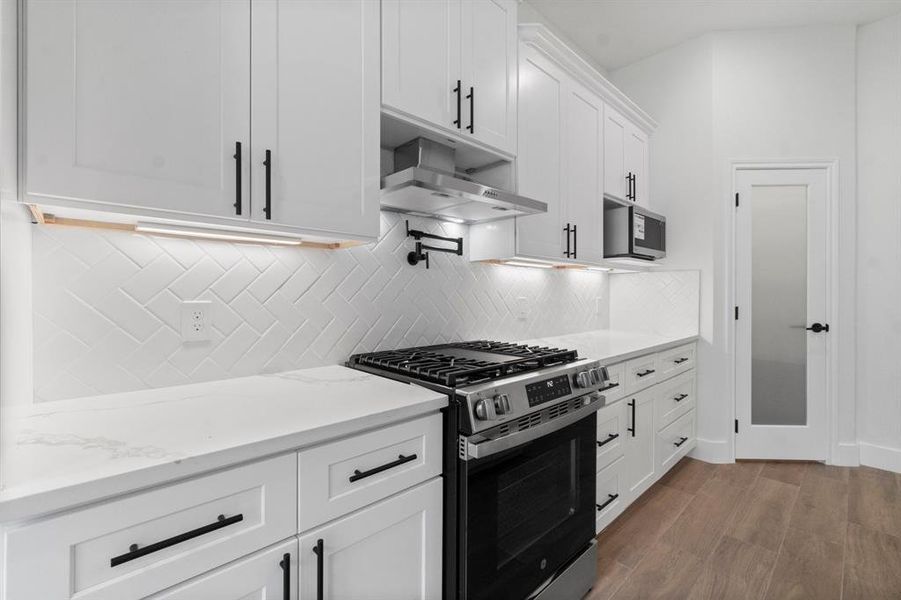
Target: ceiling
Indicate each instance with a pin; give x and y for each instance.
(615, 33)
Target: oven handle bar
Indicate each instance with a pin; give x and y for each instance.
(495, 446)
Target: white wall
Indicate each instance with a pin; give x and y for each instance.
(775, 95)
(879, 242)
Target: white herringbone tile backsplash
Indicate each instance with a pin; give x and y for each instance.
(663, 303)
(106, 305)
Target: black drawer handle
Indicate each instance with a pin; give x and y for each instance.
(645, 373)
(610, 438)
(611, 498)
(680, 397)
(609, 386)
(267, 207)
(681, 441)
(135, 552)
(401, 459)
(285, 564)
(679, 361)
(632, 429)
(237, 157)
(319, 551)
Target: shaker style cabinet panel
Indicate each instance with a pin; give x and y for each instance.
(316, 115)
(138, 104)
(421, 59)
(451, 64)
(637, 165)
(640, 434)
(391, 549)
(625, 159)
(539, 163)
(269, 574)
(489, 71)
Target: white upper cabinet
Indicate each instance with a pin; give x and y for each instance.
(451, 65)
(148, 108)
(583, 150)
(421, 59)
(625, 159)
(316, 112)
(489, 71)
(539, 163)
(138, 104)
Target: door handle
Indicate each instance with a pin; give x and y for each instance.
(472, 110)
(458, 90)
(818, 327)
(285, 564)
(632, 429)
(237, 157)
(319, 551)
(575, 242)
(267, 207)
(568, 231)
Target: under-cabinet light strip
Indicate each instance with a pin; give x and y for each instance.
(212, 234)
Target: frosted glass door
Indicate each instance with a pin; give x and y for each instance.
(781, 295)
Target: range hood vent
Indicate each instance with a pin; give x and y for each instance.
(425, 183)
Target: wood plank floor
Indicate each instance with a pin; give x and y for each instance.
(757, 530)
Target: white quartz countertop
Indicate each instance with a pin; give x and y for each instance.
(610, 346)
(57, 455)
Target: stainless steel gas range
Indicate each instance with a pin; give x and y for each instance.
(519, 464)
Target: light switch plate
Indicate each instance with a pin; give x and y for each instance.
(196, 320)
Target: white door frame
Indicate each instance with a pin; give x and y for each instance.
(830, 168)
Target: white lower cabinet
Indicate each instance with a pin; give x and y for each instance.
(270, 574)
(391, 549)
(647, 432)
(640, 463)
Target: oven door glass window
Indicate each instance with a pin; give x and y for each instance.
(529, 510)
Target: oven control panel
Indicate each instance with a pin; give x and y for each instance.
(547, 390)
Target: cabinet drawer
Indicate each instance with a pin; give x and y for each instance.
(144, 543)
(342, 476)
(611, 434)
(675, 360)
(674, 398)
(258, 576)
(640, 373)
(675, 441)
(610, 500)
(616, 386)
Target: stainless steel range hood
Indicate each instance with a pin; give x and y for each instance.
(425, 182)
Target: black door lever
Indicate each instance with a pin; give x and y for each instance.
(818, 327)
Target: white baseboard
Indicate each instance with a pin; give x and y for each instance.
(846, 455)
(880, 457)
(712, 451)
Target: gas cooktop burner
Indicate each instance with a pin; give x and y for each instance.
(464, 363)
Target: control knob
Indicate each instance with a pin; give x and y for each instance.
(484, 410)
(502, 404)
(583, 379)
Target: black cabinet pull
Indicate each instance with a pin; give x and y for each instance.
(135, 552)
(679, 361)
(645, 373)
(634, 187)
(458, 90)
(568, 231)
(401, 459)
(632, 429)
(610, 438)
(472, 110)
(610, 499)
(680, 397)
(628, 186)
(681, 441)
(575, 242)
(609, 386)
(319, 551)
(267, 208)
(285, 564)
(818, 327)
(237, 157)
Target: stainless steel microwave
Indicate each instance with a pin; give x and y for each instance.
(631, 231)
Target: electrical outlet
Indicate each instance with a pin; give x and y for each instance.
(522, 307)
(196, 320)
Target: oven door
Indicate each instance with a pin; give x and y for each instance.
(526, 511)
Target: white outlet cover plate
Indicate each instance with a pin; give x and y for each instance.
(522, 307)
(196, 320)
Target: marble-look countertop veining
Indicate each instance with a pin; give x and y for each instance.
(609, 346)
(56, 455)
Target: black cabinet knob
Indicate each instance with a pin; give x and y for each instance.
(818, 327)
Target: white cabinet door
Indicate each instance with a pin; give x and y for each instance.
(316, 92)
(637, 164)
(583, 173)
(421, 59)
(138, 104)
(640, 434)
(539, 164)
(488, 46)
(260, 576)
(391, 549)
(615, 132)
